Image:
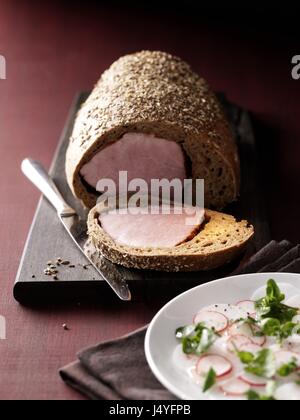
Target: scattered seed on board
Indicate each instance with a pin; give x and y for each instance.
(50, 272)
(52, 267)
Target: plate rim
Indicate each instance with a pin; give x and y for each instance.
(151, 362)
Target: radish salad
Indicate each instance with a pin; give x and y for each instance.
(246, 350)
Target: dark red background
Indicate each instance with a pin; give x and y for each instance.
(55, 50)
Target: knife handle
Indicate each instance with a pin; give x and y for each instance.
(37, 174)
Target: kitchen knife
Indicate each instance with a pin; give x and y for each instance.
(77, 228)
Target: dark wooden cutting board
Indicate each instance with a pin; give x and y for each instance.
(48, 240)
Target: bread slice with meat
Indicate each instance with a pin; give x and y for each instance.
(157, 94)
(220, 240)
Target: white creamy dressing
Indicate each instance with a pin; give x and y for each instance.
(236, 382)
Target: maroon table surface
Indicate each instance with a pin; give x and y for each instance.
(54, 51)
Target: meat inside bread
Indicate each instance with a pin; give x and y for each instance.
(152, 116)
(215, 241)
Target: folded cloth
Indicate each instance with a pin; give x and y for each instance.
(118, 370)
(290, 256)
(271, 252)
(115, 370)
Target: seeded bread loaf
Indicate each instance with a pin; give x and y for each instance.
(158, 94)
(220, 240)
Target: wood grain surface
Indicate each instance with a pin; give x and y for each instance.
(56, 49)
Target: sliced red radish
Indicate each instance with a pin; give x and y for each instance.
(284, 357)
(212, 319)
(232, 312)
(288, 392)
(252, 380)
(235, 342)
(294, 347)
(248, 306)
(241, 328)
(219, 364)
(235, 387)
(250, 348)
(259, 340)
(293, 343)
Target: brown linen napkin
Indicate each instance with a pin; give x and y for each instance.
(118, 370)
(115, 370)
(268, 254)
(290, 257)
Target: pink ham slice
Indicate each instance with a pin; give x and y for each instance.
(141, 155)
(151, 230)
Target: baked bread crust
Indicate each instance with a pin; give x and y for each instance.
(220, 240)
(156, 93)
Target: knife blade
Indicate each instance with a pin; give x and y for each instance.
(77, 229)
(111, 273)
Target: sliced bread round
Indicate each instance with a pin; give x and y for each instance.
(219, 240)
(154, 93)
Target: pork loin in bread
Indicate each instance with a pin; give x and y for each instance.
(151, 115)
(212, 243)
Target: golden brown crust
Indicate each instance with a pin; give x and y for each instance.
(156, 93)
(220, 241)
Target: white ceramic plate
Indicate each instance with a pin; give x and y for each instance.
(160, 340)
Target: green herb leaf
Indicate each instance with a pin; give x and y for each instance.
(196, 339)
(210, 380)
(273, 292)
(249, 320)
(288, 329)
(245, 357)
(298, 382)
(271, 305)
(262, 364)
(288, 368)
(184, 331)
(271, 327)
(254, 396)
